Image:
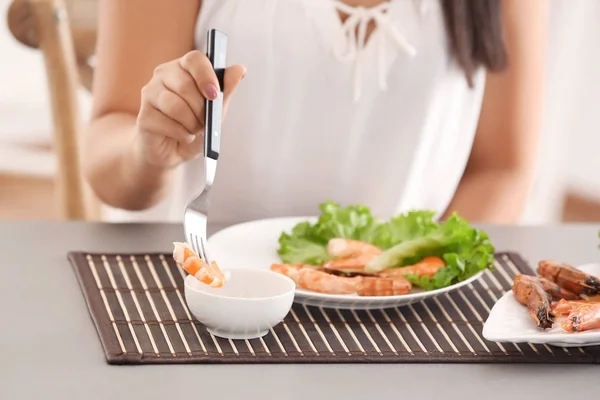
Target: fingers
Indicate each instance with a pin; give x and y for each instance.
(201, 70)
(189, 151)
(232, 79)
(157, 98)
(174, 107)
(173, 101)
(181, 83)
(154, 121)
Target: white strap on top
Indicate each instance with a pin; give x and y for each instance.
(355, 32)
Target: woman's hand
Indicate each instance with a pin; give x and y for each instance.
(170, 123)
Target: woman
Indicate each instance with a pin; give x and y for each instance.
(406, 104)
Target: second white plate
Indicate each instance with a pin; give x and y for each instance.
(509, 321)
(254, 245)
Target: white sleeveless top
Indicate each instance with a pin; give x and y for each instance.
(388, 124)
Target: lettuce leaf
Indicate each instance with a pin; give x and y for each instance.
(465, 253)
(407, 226)
(405, 239)
(302, 246)
(352, 222)
(439, 240)
(307, 243)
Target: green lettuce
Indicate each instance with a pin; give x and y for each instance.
(465, 250)
(404, 227)
(404, 239)
(352, 222)
(307, 243)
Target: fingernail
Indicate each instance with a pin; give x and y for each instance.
(190, 139)
(211, 91)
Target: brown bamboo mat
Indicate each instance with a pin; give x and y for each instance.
(136, 302)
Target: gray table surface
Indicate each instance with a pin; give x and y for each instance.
(49, 347)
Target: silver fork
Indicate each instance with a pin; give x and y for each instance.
(196, 211)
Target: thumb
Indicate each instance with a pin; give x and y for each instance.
(231, 80)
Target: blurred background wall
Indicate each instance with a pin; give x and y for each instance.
(567, 187)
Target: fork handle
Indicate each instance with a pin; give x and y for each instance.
(216, 53)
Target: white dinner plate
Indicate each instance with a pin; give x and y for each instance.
(254, 245)
(509, 321)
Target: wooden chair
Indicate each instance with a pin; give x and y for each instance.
(65, 32)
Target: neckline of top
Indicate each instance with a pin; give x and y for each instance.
(349, 41)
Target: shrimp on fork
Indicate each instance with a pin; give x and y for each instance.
(186, 258)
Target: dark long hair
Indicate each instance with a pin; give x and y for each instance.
(476, 35)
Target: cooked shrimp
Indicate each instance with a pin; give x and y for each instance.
(566, 307)
(583, 318)
(369, 286)
(322, 282)
(593, 299)
(292, 271)
(348, 248)
(355, 264)
(428, 266)
(569, 277)
(310, 278)
(350, 255)
(347, 272)
(187, 259)
(531, 294)
(549, 287)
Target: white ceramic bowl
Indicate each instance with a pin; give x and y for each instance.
(249, 304)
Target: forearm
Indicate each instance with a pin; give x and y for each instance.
(497, 197)
(117, 173)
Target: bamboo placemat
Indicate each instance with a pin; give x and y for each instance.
(137, 304)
